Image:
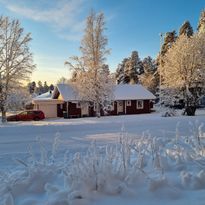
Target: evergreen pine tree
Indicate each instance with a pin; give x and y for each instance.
(120, 75)
(133, 68)
(149, 65)
(45, 87)
(136, 63)
(32, 87)
(201, 24)
(40, 88)
(51, 87)
(169, 39)
(186, 29)
(127, 72)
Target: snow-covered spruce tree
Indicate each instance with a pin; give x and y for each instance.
(133, 67)
(149, 78)
(169, 39)
(128, 71)
(39, 89)
(184, 69)
(16, 62)
(45, 87)
(186, 29)
(92, 79)
(136, 62)
(120, 72)
(201, 24)
(149, 65)
(31, 87)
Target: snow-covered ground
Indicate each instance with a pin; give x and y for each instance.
(145, 159)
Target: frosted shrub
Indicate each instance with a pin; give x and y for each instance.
(197, 131)
(136, 161)
(169, 113)
(113, 168)
(31, 179)
(96, 169)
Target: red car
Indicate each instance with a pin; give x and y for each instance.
(27, 115)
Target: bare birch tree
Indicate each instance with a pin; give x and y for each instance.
(184, 69)
(91, 77)
(16, 62)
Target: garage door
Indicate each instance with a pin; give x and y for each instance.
(49, 110)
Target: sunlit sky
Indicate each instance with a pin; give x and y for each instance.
(57, 28)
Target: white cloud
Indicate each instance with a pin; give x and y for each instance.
(63, 16)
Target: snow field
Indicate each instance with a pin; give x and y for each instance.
(135, 168)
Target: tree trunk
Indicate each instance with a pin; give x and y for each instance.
(190, 110)
(98, 110)
(3, 116)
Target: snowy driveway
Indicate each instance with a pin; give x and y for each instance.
(77, 134)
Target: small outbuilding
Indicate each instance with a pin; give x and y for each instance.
(47, 104)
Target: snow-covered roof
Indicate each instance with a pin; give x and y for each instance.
(121, 92)
(44, 96)
(67, 92)
(132, 92)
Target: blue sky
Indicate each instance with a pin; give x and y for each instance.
(57, 28)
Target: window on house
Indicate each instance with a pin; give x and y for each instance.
(120, 103)
(23, 113)
(128, 102)
(78, 105)
(140, 104)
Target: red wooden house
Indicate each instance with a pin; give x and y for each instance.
(131, 99)
(128, 99)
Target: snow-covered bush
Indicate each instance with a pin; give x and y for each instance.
(169, 113)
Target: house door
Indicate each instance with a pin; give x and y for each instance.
(84, 109)
(119, 107)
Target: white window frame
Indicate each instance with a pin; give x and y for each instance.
(95, 107)
(128, 103)
(142, 104)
